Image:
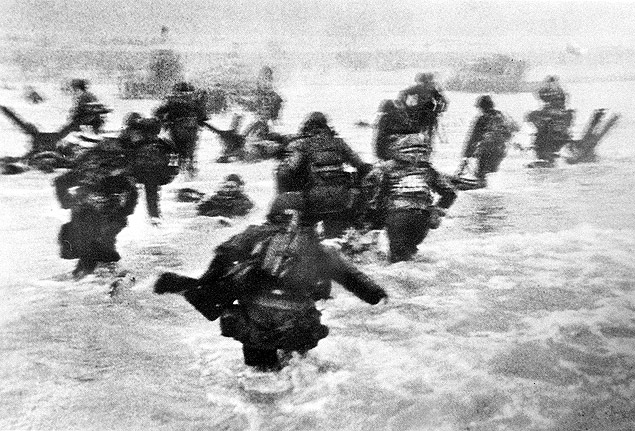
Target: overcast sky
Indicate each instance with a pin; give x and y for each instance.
(411, 24)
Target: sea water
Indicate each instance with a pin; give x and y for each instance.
(518, 313)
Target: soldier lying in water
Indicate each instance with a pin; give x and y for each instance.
(229, 201)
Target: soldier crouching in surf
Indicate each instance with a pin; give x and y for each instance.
(400, 196)
(263, 284)
(229, 201)
(101, 194)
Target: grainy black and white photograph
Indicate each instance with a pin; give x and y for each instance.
(281, 215)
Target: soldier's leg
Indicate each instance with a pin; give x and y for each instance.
(399, 236)
(191, 154)
(488, 162)
(67, 242)
(84, 229)
(420, 223)
(262, 359)
(152, 200)
(110, 229)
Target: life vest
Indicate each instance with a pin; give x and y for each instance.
(552, 121)
(411, 149)
(559, 121)
(409, 188)
(329, 184)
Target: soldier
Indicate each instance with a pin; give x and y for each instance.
(316, 164)
(552, 125)
(551, 93)
(488, 140)
(392, 123)
(401, 196)
(263, 284)
(100, 194)
(217, 99)
(425, 102)
(267, 105)
(182, 114)
(153, 160)
(229, 201)
(32, 95)
(86, 111)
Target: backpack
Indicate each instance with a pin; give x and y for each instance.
(329, 184)
(409, 188)
(155, 162)
(500, 129)
(289, 260)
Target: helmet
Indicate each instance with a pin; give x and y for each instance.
(423, 77)
(266, 73)
(131, 119)
(182, 87)
(79, 84)
(387, 106)
(235, 178)
(485, 102)
(413, 148)
(316, 121)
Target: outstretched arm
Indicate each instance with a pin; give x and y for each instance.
(352, 279)
(475, 137)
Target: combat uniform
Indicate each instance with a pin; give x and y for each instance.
(229, 201)
(552, 131)
(87, 110)
(316, 165)
(400, 197)
(488, 139)
(100, 193)
(429, 103)
(182, 114)
(263, 284)
(153, 160)
(392, 124)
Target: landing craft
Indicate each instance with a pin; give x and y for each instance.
(496, 74)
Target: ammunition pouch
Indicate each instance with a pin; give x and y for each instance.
(270, 321)
(233, 323)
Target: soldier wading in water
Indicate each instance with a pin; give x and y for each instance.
(263, 284)
(316, 165)
(400, 196)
